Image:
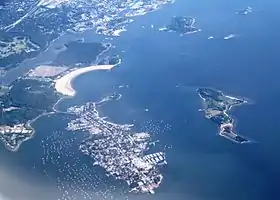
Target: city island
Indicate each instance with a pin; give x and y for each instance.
(216, 106)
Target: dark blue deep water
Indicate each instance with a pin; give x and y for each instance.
(163, 70)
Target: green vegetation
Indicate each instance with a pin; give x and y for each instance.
(17, 45)
(13, 50)
(80, 53)
(30, 97)
(216, 105)
(32, 94)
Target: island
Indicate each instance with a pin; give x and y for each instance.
(230, 36)
(245, 11)
(111, 60)
(181, 24)
(114, 96)
(216, 106)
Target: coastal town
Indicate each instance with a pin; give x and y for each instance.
(118, 149)
(54, 18)
(15, 135)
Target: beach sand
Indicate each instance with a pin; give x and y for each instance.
(63, 84)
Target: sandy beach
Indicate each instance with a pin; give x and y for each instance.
(63, 84)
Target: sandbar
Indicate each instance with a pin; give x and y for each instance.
(63, 84)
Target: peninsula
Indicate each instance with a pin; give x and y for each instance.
(37, 92)
(33, 96)
(63, 84)
(216, 106)
(21, 104)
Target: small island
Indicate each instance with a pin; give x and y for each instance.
(181, 24)
(111, 60)
(244, 11)
(216, 106)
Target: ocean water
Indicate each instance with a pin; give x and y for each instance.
(162, 71)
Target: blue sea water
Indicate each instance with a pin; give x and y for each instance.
(163, 70)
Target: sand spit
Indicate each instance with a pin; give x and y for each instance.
(63, 84)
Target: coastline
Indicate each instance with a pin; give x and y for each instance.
(63, 85)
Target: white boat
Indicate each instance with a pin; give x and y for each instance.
(24, 131)
(159, 154)
(161, 157)
(157, 159)
(149, 156)
(17, 130)
(154, 160)
(149, 161)
(152, 191)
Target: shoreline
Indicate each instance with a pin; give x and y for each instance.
(63, 85)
